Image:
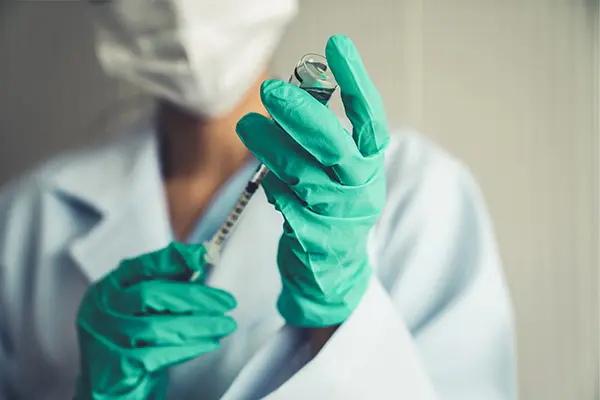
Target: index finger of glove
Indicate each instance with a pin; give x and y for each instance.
(166, 356)
(167, 297)
(316, 129)
(278, 151)
(131, 332)
(175, 262)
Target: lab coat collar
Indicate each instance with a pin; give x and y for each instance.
(123, 184)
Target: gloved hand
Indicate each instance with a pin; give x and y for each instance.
(145, 316)
(328, 184)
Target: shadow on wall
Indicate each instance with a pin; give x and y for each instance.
(54, 94)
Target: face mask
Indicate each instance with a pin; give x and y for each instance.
(203, 55)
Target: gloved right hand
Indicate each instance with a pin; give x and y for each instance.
(144, 317)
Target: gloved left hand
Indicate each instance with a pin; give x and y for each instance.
(328, 184)
(146, 316)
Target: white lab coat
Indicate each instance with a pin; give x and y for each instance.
(435, 323)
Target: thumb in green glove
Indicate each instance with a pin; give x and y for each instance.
(144, 317)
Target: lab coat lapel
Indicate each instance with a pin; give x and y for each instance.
(124, 184)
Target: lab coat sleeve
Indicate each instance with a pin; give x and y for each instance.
(3, 358)
(371, 356)
(18, 201)
(436, 321)
(5, 337)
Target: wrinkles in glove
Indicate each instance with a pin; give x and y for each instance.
(144, 317)
(328, 183)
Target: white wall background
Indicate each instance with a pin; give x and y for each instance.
(509, 86)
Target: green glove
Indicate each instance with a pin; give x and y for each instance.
(143, 317)
(328, 184)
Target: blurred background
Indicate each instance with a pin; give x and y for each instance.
(510, 87)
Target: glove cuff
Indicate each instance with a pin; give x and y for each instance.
(300, 310)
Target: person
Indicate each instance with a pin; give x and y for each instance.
(365, 266)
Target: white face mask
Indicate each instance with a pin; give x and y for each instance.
(201, 54)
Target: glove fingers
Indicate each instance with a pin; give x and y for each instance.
(278, 193)
(177, 261)
(316, 129)
(279, 151)
(357, 201)
(166, 330)
(291, 164)
(165, 297)
(324, 199)
(362, 101)
(157, 358)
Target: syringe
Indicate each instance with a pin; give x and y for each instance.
(314, 76)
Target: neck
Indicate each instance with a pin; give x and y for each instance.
(199, 155)
(196, 147)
